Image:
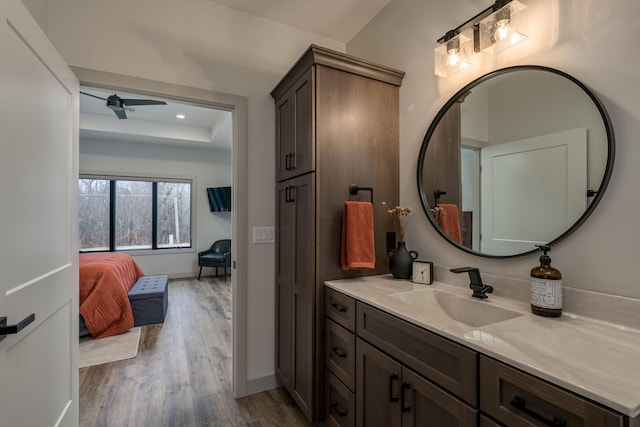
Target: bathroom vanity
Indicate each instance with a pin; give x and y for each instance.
(404, 354)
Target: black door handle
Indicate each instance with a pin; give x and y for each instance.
(393, 377)
(14, 329)
(403, 406)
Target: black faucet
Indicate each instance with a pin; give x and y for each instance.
(480, 290)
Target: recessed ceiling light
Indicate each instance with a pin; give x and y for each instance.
(181, 116)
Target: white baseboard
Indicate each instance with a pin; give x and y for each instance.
(258, 385)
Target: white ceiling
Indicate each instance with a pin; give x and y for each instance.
(339, 20)
(158, 124)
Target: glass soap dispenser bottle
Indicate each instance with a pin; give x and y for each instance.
(546, 287)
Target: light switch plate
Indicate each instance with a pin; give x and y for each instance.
(264, 234)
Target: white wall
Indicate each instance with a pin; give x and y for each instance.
(590, 39)
(207, 168)
(201, 44)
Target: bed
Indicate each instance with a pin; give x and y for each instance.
(105, 281)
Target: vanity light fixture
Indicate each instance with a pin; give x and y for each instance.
(508, 25)
(181, 116)
(499, 26)
(455, 53)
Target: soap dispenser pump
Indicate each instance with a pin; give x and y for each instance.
(546, 287)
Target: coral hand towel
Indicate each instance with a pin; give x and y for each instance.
(449, 221)
(358, 248)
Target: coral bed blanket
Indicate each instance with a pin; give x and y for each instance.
(105, 281)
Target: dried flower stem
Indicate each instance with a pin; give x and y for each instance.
(400, 217)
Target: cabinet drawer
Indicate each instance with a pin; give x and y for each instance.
(488, 422)
(515, 398)
(341, 403)
(450, 365)
(340, 353)
(340, 308)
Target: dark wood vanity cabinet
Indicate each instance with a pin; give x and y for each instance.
(408, 376)
(337, 123)
(517, 399)
(389, 393)
(374, 380)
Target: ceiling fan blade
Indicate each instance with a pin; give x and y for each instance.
(120, 113)
(88, 94)
(142, 102)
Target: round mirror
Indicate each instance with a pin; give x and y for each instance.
(517, 158)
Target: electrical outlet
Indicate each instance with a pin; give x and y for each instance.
(264, 234)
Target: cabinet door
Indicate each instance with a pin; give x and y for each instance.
(303, 95)
(295, 129)
(377, 388)
(284, 269)
(295, 281)
(285, 129)
(423, 404)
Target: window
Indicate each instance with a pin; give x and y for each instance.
(133, 214)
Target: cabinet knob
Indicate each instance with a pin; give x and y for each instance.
(341, 308)
(339, 352)
(341, 412)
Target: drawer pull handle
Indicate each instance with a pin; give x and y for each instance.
(286, 162)
(405, 408)
(519, 403)
(341, 308)
(339, 352)
(341, 412)
(392, 378)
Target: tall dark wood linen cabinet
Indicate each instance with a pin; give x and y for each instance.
(336, 124)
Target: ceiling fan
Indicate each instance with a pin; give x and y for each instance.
(118, 105)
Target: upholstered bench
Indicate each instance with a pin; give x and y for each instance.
(149, 299)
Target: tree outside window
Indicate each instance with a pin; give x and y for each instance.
(145, 214)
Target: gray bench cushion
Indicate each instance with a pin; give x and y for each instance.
(149, 299)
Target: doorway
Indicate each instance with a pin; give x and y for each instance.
(237, 106)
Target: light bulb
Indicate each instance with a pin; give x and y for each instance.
(453, 48)
(452, 57)
(502, 30)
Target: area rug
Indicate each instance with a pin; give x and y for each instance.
(110, 349)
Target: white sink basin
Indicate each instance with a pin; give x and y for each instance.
(467, 310)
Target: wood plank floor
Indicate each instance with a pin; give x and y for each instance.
(181, 376)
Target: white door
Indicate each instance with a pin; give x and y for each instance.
(38, 251)
(532, 190)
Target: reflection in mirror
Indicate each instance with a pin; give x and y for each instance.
(517, 158)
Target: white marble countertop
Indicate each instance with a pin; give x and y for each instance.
(597, 360)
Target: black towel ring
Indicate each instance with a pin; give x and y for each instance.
(353, 190)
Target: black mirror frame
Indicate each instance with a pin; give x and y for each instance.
(600, 191)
